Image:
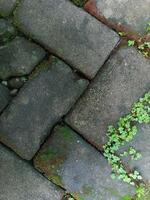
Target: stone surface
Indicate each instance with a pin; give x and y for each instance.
(4, 97)
(40, 104)
(6, 7)
(141, 144)
(74, 35)
(7, 31)
(121, 82)
(16, 82)
(20, 181)
(131, 13)
(19, 57)
(69, 161)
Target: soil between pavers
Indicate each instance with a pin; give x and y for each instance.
(4, 97)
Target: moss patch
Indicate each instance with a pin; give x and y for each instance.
(44, 66)
(65, 132)
(79, 3)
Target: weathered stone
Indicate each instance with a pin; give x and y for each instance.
(41, 102)
(19, 57)
(121, 82)
(14, 92)
(4, 97)
(6, 7)
(7, 31)
(141, 144)
(16, 82)
(131, 13)
(74, 35)
(70, 162)
(19, 180)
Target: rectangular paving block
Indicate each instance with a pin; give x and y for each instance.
(19, 57)
(133, 14)
(20, 181)
(67, 31)
(121, 82)
(41, 102)
(67, 160)
(6, 7)
(141, 143)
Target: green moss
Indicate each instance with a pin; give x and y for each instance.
(2, 14)
(66, 132)
(87, 189)
(79, 3)
(48, 155)
(56, 180)
(44, 66)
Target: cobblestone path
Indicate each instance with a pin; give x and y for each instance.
(67, 71)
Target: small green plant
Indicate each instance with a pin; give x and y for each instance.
(124, 132)
(122, 34)
(131, 43)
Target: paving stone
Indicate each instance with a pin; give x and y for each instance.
(70, 162)
(74, 35)
(4, 97)
(121, 82)
(19, 57)
(134, 14)
(19, 180)
(40, 104)
(141, 144)
(6, 7)
(16, 82)
(7, 31)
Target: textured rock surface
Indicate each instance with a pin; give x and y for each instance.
(74, 35)
(141, 144)
(19, 57)
(69, 161)
(134, 14)
(16, 82)
(4, 97)
(7, 31)
(6, 7)
(123, 80)
(20, 181)
(40, 103)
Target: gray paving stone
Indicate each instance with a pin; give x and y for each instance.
(6, 7)
(134, 14)
(40, 103)
(16, 83)
(141, 144)
(7, 31)
(4, 97)
(74, 35)
(19, 57)
(69, 161)
(20, 181)
(121, 82)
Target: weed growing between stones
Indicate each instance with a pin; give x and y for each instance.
(142, 43)
(125, 131)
